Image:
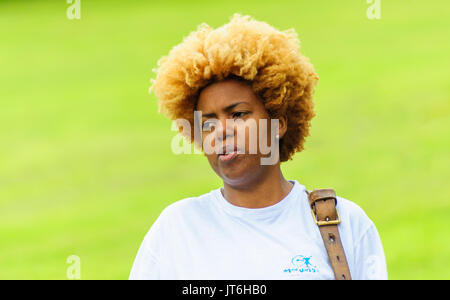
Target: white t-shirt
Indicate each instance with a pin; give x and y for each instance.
(207, 237)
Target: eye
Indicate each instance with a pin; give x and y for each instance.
(208, 125)
(239, 114)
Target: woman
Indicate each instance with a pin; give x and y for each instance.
(259, 225)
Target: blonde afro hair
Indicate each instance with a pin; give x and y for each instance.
(269, 59)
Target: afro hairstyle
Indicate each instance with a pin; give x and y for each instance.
(269, 59)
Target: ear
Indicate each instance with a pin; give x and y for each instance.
(282, 126)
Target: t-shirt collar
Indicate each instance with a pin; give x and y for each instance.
(258, 212)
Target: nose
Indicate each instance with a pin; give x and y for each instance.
(224, 130)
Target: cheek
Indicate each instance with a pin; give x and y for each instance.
(212, 160)
(254, 134)
(209, 144)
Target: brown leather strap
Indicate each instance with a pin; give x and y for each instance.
(323, 207)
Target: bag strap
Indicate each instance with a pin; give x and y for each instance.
(323, 208)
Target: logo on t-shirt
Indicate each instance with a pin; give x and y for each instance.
(301, 264)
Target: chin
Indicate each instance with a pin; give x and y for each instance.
(240, 173)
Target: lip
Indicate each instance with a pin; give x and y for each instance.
(228, 157)
(230, 153)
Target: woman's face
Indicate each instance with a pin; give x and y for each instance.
(235, 101)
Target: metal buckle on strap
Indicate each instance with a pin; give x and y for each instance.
(327, 222)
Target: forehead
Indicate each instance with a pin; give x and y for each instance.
(221, 94)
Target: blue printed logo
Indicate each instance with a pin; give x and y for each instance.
(301, 264)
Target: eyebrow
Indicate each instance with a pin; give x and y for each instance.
(226, 109)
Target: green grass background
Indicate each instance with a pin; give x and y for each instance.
(85, 159)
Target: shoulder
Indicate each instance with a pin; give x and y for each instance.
(353, 217)
(351, 209)
(190, 206)
(177, 214)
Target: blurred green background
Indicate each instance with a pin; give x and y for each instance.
(85, 159)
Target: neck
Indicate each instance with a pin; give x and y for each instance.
(263, 191)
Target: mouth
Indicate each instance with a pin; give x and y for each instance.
(229, 153)
(227, 157)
